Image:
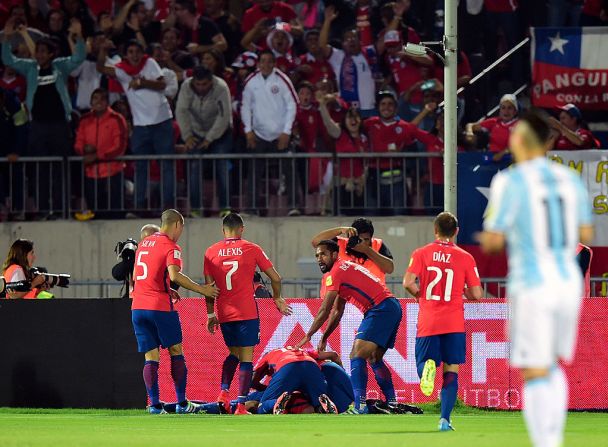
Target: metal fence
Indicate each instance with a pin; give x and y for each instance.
(292, 287)
(271, 184)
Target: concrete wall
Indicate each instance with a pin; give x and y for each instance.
(86, 249)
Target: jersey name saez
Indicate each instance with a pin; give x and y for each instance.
(277, 358)
(444, 270)
(354, 283)
(152, 259)
(231, 263)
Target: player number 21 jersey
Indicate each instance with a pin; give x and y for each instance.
(444, 270)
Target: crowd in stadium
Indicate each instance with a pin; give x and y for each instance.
(103, 79)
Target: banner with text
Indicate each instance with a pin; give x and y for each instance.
(570, 65)
(486, 380)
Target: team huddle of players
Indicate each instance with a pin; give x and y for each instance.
(539, 208)
(299, 379)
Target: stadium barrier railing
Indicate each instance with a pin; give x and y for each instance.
(270, 184)
(301, 287)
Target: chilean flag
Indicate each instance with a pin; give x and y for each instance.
(570, 65)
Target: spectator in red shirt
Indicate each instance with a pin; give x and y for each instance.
(594, 13)
(569, 134)
(102, 136)
(350, 137)
(499, 127)
(386, 176)
(259, 20)
(13, 81)
(313, 66)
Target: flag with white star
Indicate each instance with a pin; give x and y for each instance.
(570, 65)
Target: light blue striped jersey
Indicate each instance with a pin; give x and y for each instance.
(539, 206)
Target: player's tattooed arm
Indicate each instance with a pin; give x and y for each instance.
(410, 284)
(334, 320)
(332, 233)
(322, 315)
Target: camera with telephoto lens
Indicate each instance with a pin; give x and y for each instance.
(125, 251)
(52, 279)
(17, 286)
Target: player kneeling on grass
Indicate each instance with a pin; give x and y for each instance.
(443, 270)
(291, 370)
(231, 264)
(155, 321)
(347, 281)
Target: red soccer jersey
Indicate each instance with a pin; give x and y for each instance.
(321, 69)
(279, 12)
(364, 26)
(499, 132)
(405, 72)
(564, 144)
(273, 361)
(443, 269)
(388, 137)
(309, 124)
(231, 263)
(500, 5)
(154, 255)
(356, 284)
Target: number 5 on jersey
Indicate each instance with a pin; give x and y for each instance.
(143, 266)
(234, 267)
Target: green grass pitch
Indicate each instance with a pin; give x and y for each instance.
(475, 428)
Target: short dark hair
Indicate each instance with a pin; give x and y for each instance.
(538, 125)
(233, 221)
(134, 43)
(350, 30)
(331, 245)
(269, 52)
(188, 5)
(446, 224)
(49, 43)
(101, 91)
(200, 73)
(133, 9)
(363, 225)
(306, 84)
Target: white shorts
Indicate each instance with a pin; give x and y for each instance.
(544, 324)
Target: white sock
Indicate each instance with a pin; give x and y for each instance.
(537, 410)
(558, 405)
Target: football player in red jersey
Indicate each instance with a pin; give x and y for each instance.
(156, 323)
(231, 264)
(291, 370)
(445, 272)
(346, 281)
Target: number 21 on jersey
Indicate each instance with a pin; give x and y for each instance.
(449, 279)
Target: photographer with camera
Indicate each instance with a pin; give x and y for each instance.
(18, 266)
(125, 251)
(358, 245)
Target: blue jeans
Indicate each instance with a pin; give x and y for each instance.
(223, 145)
(156, 139)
